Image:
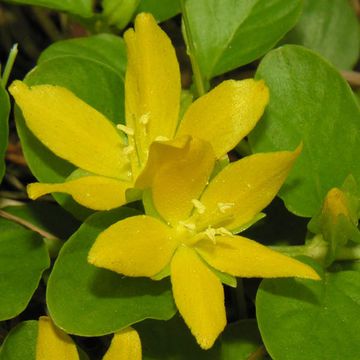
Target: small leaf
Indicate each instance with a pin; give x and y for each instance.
(160, 9)
(231, 33)
(331, 28)
(78, 7)
(119, 13)
(20, 343)
(89, 301)
(4, 128)
(23, 259)
(311, 103)
(304, 319)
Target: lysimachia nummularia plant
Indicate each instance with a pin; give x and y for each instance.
(159, 142)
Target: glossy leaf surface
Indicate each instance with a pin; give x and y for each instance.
(331, 28)
(311, 320)
(231, 33)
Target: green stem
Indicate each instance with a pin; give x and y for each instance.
(9, 65)
(198, 79)
(318, 248)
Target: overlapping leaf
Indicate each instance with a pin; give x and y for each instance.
(230, 33)
(310, 103)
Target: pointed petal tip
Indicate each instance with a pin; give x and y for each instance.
(144, 18)
(309, 273)
(35, 190)
(17, 87)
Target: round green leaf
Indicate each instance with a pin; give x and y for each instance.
(230, 33)
(89, 301)
(172, 340)
(310, 103)
(23, 259)
(106, 49)
(95, 83)
(241, 340)
(78, 7)
(331, 28)
(160, 9)
(20, 343)
(304, 319)
(4, 128)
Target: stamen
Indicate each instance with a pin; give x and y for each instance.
(126, 129)
(161, 138)
(210, 233)
(224, 232)
(144, 119)
(128, 150)
(200, 207)
(223, 207)
(189, 226)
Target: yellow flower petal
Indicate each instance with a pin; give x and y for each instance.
(72, 129)
(180, 181)
(53, 343)
(94, 192)
(239, 256)
(125, 345)
(137, 246)
(226, 114)
(161, 153)
(152, 83)
(245, 187)
(198, 295)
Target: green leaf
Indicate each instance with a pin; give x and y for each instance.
(229, 33)
(23, 259)
(310, 103)
(78, 7)
(119, 12)
(94, 82)
(106, 49)
(240, 340)
(4, 128)
(172, 340)
(89, 301)
(46, 216)
(20, 343)
(304, 319)
(331, 28)
(161, 9)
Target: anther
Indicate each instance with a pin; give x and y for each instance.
(223, 207)
(199, 206)
(211, 234)
(189, 226)
(126, 129)
(144, 119)
(128, 150)
(224, 232)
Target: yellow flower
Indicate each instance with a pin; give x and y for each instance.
(193, 233)
(54, 344)
(112, 158)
